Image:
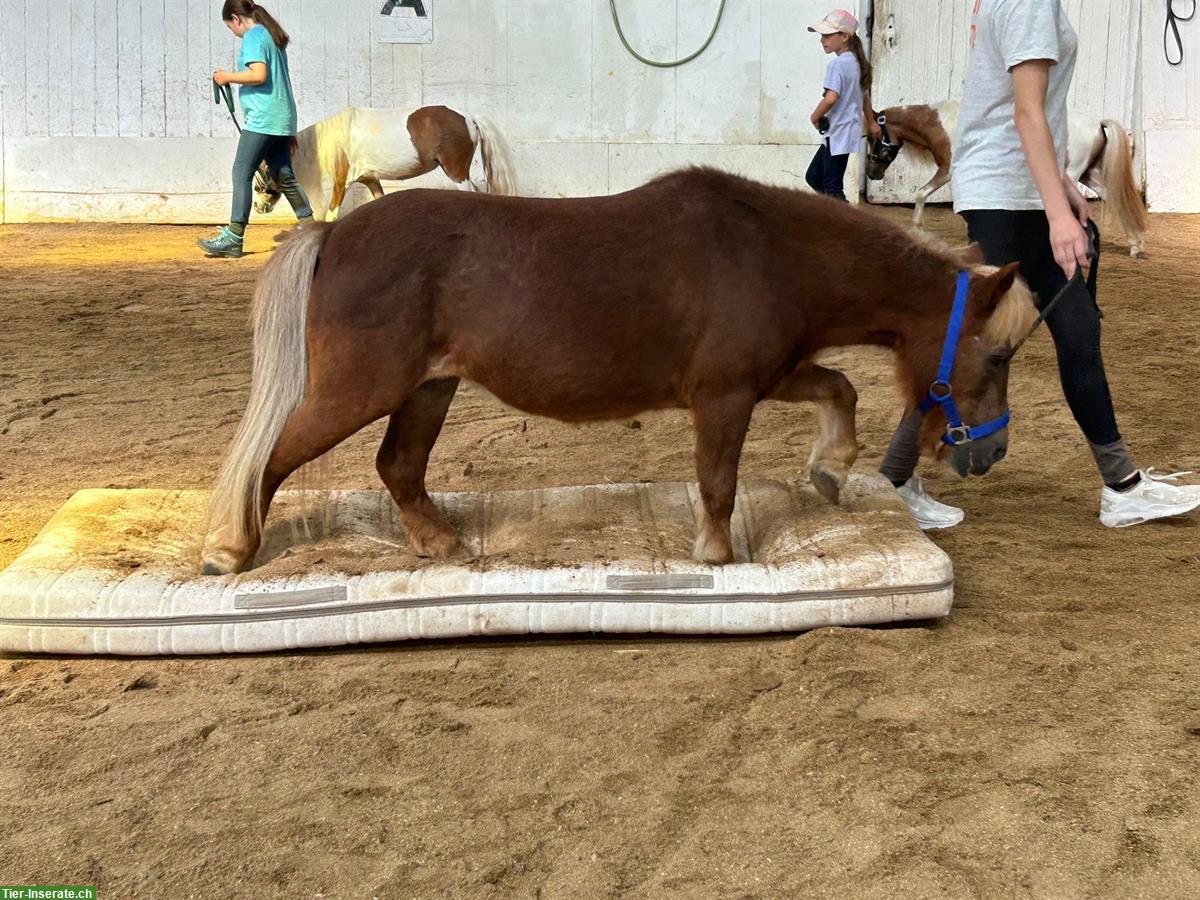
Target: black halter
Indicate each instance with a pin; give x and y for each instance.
(883, 150)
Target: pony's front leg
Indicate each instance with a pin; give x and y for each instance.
(836, 448)
(721, 424)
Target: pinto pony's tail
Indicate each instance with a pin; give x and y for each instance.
(279, 373)
(1123, 193)
(497, 158)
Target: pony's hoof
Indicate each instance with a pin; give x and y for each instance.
(713, 552)
(827, 484)
(221, 562)
(1137, 252)
(436, 545)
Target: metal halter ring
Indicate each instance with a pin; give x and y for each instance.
(958, 434)
(938, 386)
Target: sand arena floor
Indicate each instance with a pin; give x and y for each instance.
(1044, 741)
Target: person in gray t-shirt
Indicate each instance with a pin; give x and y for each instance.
(839, 115)
(1011, 188)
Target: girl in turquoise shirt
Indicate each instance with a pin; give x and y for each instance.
(269, 113)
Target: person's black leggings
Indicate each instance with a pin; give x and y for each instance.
(1024, 236)
(826, 173)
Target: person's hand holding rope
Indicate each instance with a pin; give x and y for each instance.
(1076, 246)
(1069, 243)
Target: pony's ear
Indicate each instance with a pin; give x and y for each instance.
(993, 287)
(972, 254)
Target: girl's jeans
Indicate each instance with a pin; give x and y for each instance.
(826, 172)
(276, 150)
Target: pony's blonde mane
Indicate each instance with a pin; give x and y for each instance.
(1014, 314)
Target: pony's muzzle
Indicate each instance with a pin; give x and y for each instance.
(978, 456)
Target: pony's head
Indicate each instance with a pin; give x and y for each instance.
(966, 409)
(266, 190)
(881, 152)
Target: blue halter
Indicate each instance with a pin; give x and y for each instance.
(940, 393)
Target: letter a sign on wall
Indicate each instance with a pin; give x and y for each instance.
(404, 21)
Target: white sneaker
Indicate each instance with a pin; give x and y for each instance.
(928, 512)
(1151, 498)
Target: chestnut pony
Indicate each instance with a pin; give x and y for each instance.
(700, 290)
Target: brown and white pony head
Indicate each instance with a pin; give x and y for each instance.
(881, 151)
(266, 190)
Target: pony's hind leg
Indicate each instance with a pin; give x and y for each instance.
(721, 424)
(312, 429)
(837, 447)
(401, 462)
(932, 186)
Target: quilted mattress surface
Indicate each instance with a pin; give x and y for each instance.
(117, 571)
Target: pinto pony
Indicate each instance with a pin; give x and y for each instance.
(364, 145)
(1099, 155)
(700, 290)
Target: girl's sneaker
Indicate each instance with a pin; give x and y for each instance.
(224, 244)
(1154, 497)
(928, 512)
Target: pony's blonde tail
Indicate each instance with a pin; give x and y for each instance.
(277, 381)
(497, 158)
(1119, 179)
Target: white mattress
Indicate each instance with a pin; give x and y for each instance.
(116, 571)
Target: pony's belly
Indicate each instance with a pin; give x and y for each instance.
(555, 397)
(389, 161)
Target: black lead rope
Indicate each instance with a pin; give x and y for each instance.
(1093, 275)
(1172, 28)
(224, 91)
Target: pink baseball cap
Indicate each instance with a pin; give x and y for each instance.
(838, 20)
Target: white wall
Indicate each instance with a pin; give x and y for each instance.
(107, 110)
(1171, 113)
